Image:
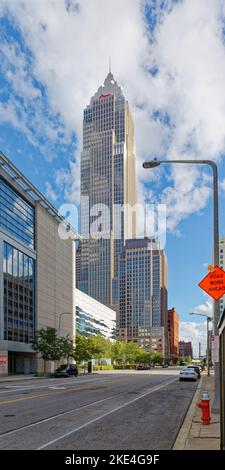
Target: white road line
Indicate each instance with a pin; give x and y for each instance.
(10, 389)
(7, 433)
(154, 389)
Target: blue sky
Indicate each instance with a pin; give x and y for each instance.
(170, 60)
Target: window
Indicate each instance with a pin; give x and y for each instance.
(16, 215)
(19, 314)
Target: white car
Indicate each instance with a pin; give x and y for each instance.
(188, 374)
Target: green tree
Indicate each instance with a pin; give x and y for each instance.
(157, 358)
(188, 360)
(117, 351)
(47, 344)
(143, 357)
(99, 347)
(81, 348)
(132, 351)
(67, 348)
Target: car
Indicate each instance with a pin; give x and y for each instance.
(164, 366)
(143, 367)
(66, 370)
(197, 369)
(188, 373)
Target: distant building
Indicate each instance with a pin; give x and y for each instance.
(185, 349)
(173, 333)
(222, 265)
(143, 295)
(94, 318)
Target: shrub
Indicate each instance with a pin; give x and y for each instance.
(103, 367)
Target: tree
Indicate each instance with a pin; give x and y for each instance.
(132, 351)
(188, 360)
(99, 347)
(143, 357)
(157, 358)
(47, 344)
(117, 351)
(67, 348)
(81, 348)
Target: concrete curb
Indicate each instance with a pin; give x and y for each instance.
(186, 426)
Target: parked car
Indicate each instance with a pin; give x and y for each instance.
(143, 367)
(188, 373)
(164, 366)
(197, 369)
(66, 370)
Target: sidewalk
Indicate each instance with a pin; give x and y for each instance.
(193, 434)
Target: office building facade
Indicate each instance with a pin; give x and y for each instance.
(185, 349)
(143, 295)
(107, 184)
(94, 318)
(37, 270)
(173, 334)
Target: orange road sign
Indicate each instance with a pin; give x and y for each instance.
(214, 283)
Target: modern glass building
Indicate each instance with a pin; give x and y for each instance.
(94, 318)
(37, 270)
(143, 294)
(17, 220)
(107, 182)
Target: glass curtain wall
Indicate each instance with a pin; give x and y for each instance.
(16, 215)
(19, 315)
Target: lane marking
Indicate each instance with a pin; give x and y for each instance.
(91, 386)
(44, 420)
(48, 385)
(154, 389)
(57, 388)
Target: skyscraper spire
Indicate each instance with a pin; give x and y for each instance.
(110, 64)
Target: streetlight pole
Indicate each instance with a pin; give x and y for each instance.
(207, 350)
(216, 309)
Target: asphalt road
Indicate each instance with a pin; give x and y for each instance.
(127, 410)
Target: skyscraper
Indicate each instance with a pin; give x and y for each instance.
(107, 184)
(143, 295)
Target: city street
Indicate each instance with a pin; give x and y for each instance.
(114, 410)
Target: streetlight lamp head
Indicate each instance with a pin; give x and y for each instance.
(151, 164)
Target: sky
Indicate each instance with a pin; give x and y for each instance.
(169, 58)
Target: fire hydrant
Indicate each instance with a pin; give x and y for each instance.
(204, 404)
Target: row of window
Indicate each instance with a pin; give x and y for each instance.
(16, 215)
(19, 311)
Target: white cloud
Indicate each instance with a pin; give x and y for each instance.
(50, 192)
(205, 308)
(69, 180)
(222, 185)
(70, 48)
(196, 333)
